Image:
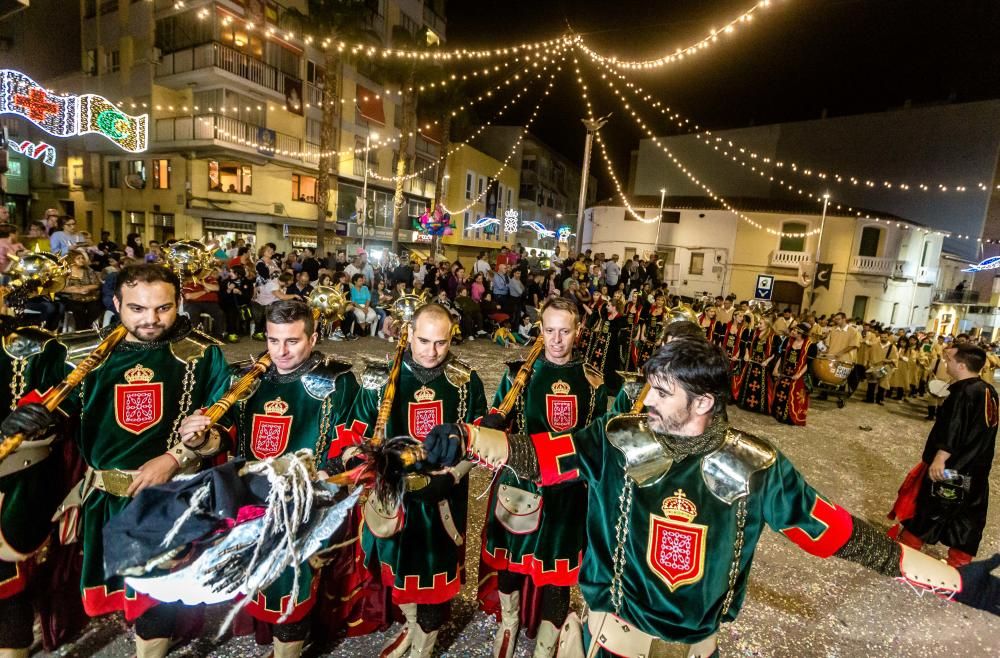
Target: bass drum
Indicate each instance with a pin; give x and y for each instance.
(877, 372)
(938, 388)
(831, 371)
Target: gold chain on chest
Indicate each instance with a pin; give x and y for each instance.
(17, 381)
(323, 443)
(622, 528)
(187, 385)
(734, 568)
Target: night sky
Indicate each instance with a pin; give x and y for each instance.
(799, 59)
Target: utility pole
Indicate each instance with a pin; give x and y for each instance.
(364, 188)
(819, 243)
(592, 125)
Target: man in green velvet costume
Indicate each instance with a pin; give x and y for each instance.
(129, 410)
(418, 547)
(677, 502)
(526, 533)
(32, 361)
(300, 402)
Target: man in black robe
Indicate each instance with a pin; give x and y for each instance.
(952, 510)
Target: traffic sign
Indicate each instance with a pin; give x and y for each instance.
(765, 286)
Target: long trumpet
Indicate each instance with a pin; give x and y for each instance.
(52, 399)
(402, 310)
(522, 377)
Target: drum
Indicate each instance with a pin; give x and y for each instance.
(878, 371)
(831, 371)
(938, 388)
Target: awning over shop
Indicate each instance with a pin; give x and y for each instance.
(369, 105)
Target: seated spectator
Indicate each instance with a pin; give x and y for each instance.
(471, 314)
(202, 298)
(301, 287)
(81, 295)
(361, 300)
(267, 293)
(235, 297)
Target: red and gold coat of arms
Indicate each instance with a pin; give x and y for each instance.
(139, 403)
(676, 550)
(561, 407)
(271, 430)
(426, 413)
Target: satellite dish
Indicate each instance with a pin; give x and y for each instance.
(135, 181)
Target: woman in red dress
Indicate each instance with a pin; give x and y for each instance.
(789, 396)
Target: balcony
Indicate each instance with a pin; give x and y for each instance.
(927, 275)
(788, 259)
(187, 66)
(877, 266)
(435, 22)
(216, 130)
(953, 296)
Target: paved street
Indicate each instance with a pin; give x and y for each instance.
(797, 605)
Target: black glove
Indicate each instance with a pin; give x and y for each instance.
(980, 588)
(30, 420)
(445, 445)
(494, 421)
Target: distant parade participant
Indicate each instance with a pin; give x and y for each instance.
(670, 545)
(736, 339)
(31, 481)
(937, 377)
(709, 323)
(635, 317)
(944, 499)
(595, 331)
(789, 396)
(418, 548)
(753, 381)
(842, 343)
(649, 337)
(130, 410)
(301, 402)
(882, 353)
(528, 530)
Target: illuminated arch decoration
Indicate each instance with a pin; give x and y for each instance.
(510, 224)
(482, 222)
(70, 115)
(564, 233)
(40, 151)
(991, 263)
(539, 228)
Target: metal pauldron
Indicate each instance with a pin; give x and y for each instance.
(79, 345)
(457, 372)
(192, 347)
(321, 381)
(727, 470)
(375, 375)
(26, 342)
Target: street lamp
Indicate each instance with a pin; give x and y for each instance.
(819, 243)
(364, 186)
(659, 220)
(592, 126)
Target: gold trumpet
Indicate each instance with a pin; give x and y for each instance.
(402, 310)
(34, 274)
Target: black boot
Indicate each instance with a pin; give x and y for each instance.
(931, 412)
(880, 396)
(870, 393)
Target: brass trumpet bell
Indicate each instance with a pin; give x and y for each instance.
(682, 313)
(38, 273)
(188, 258)
(632, 383)
(404, 308)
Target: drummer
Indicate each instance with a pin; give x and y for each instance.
(842, 343)
(884, 356)
(937, 381)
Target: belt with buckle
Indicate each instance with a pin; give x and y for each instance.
(623, 639)
(114, 481)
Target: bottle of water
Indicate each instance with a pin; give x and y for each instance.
(950, 474)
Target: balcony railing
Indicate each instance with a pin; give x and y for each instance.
(875, 265)
(219, 128)
(789, 259)
(228, 59)
(953, 296)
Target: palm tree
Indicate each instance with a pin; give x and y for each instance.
(335, 20)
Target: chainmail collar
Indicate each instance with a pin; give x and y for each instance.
(682, 447)
(572, 363)
(182, 327)
(423, 374)
(272, 374)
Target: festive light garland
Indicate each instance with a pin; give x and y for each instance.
(817, 196)
(706, 138)
(718, 199)
(679, 54)
(40, 151)
(455, 147)
(514, 147)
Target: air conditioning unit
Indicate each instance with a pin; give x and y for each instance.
(279, 209)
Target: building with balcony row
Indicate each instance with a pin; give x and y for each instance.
(235, 123)
(882, 270)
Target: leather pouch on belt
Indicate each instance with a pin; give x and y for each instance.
(517, 510)
(383, 521)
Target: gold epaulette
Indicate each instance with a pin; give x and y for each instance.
(26, 342)
(79, 345)
(192, 346)
(457, 372)
(727, 470)
(593, 375)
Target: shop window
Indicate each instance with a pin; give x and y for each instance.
(230, 177)
(161, 174)
(303, 188)
(115, 174)
(697, 265)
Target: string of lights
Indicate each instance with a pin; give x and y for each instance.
(758, 163)
(818, 196)
(516, 144)
(679, 54)
(680, 165)
(455, 147)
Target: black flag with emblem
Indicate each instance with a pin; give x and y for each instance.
(822, 276)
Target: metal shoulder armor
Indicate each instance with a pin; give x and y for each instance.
(727, 470)
(79, 345)
(593, 375)
(26, 342)
(193, 346)
(321, 381)
(376, 374)
(457, 372)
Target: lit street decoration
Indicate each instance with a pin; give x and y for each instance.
(991, 263)
(539, 228)
(66, 116)
(564, 232)
(40, 151)
(510, 221)
(482, 222)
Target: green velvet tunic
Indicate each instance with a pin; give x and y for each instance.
(557, 400)
(28, 498)
(677, 569)
(124, 424)
(424, 561)
(295, 411)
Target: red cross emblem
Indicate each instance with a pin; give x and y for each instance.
(676, 549)
(37, 104)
